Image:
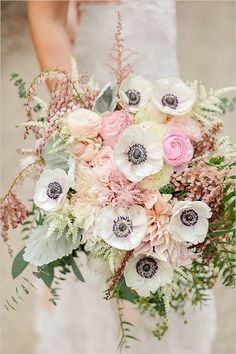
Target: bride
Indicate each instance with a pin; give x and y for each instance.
(82, 322)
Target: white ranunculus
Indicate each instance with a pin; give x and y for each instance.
(136, 92)
(172, 96)
(189, 221)
(138, 153)
(122, 228)
(51, 189)
(146, 274)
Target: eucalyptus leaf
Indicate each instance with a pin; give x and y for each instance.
(76, 270)
(41, 250)
(46, 273)
(106, 101)
(55, 159)
(19, 264)
(124, 292)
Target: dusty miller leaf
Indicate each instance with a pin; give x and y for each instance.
(106, 101)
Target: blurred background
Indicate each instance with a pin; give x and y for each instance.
(206, 51)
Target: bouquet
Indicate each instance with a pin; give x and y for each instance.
(138, 177)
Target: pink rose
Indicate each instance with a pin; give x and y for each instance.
(113, 125)
(188, 125)
(84, 123)
(178, 149)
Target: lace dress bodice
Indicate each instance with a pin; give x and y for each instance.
(149, 29)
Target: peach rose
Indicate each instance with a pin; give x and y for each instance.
(85, 150)
(188, 125)
(113, 125)
(83, 123)
(177, 147)
(104, 158)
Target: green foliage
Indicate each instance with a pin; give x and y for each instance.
(154, 306)
(125, 328)
(76, 270)
(19, 264)
(168, 189)
(161, 328)
(123, 292)
(36, 217)
(20, 291)
(46, 273)
(20, 84)
(223, 238)
(216, 161)
(62, 267)
(227, 104)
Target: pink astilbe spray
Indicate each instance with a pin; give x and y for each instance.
(12, 210)
(119, 54)
(207, 141)
(13, 213)
(201, 182)
(60, 98)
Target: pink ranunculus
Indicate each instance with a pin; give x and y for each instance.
(113, 125)
(84, 124)
(188, 125)
(177, 147)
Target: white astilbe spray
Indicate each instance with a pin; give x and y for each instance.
(166, 292)
(63, 223)
(206, 107)
(225, 146)
(63, 140)
(108, 253)
(32, 123)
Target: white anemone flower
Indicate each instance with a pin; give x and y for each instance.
(51, 189)
(122, 228)
(136, 92)
(146, 274)
(172, 96)
(138, 153)
(189, 221)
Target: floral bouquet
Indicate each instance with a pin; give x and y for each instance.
(136, 175)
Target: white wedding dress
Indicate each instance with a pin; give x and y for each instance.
(83, 322)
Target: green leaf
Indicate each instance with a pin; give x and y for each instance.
(124, 292)
(19, 264)
(46, 273)
(76, 270)
(41, 250)
(106, 101)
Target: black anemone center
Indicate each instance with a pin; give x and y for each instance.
(134, 96)
(137, 154)
(54, 190)
(189, 217)
(170, 100)
(147, 267)
(122, 226)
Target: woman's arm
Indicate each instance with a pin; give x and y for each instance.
(48, 26)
